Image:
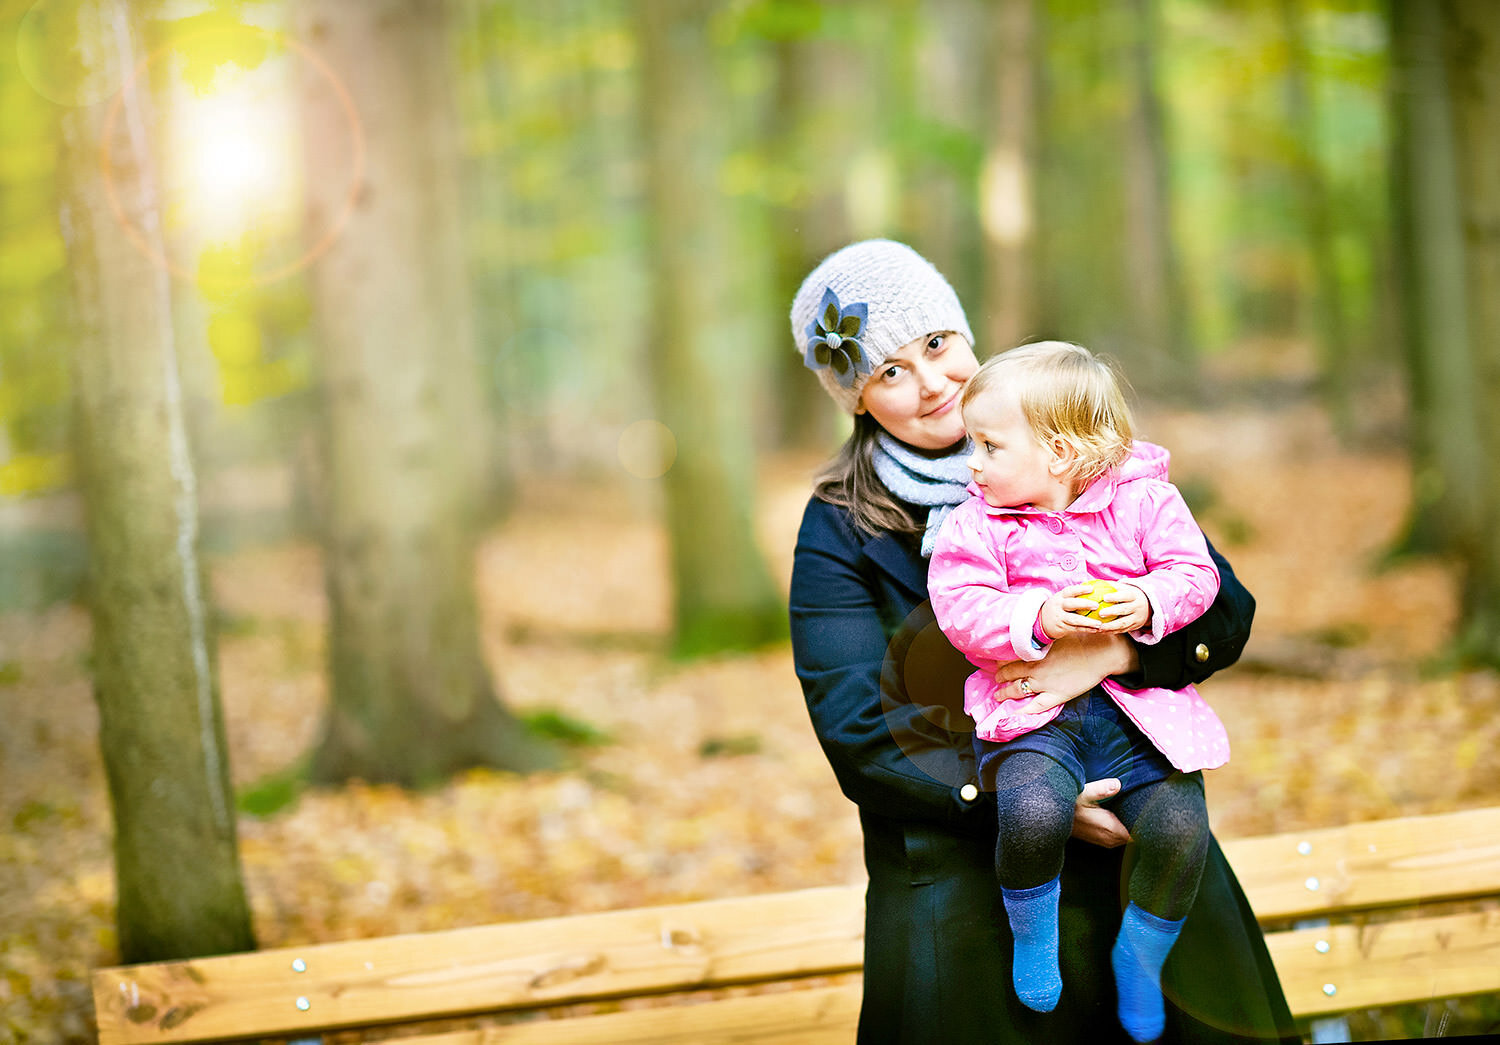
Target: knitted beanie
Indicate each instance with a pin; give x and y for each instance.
(863, 303)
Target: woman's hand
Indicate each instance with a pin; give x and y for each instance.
(1074, 664)
(1092, 822)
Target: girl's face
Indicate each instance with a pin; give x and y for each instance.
(914, 393)
(1011, 465)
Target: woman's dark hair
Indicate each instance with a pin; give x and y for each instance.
(850, 482)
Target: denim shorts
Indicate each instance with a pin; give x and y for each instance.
(1092, 739)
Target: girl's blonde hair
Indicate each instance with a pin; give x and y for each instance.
(1066, 393)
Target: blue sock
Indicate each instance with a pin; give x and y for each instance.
(1033, 923)
(1140, 950)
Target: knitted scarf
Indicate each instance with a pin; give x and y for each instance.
(938, 482)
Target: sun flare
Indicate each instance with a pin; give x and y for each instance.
(234, 164)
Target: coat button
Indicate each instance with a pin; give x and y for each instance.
(1200, 653)
(969, 793)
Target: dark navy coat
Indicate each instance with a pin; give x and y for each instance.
(884, 689)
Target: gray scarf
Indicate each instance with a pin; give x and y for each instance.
(938, 482)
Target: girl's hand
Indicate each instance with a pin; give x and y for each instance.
(1092, 822)
(1124, 609)
(1073, 665)
(1063, 613)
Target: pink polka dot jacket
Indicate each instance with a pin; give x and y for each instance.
(992, 568)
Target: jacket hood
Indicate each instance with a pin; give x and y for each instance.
(1146, 461)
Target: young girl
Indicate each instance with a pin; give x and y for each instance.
(1061, 495)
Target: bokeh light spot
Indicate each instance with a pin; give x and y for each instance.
(647, 449)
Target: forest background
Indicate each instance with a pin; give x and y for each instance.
(402, 443)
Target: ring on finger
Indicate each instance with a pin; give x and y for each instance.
(1025, 685)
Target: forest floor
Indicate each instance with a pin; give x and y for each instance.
(710, 783)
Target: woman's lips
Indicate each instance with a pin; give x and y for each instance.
(943, 407)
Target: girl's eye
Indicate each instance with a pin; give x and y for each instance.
(890, 373)
(935, 344)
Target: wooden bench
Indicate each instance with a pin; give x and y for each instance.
(679, 973)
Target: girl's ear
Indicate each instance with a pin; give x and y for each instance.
(1064, 457)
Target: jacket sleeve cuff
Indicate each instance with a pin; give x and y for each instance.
(1023, 622)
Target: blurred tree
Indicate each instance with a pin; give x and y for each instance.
(1158, 305)
(1473, 54)
(33, 277)
(1006, 202)
(412, 700)
(797, 216)
(487, 33)
(724, 595)
(1081, 270)
(1335, 363)
(1446, 96)
(1446, 452)
(179, 888)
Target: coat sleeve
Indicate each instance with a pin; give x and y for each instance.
(1210, 643)
(970, 596)
(1181, 579)
(882, 685)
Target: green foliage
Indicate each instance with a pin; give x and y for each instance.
(706, 631)
(206, 42)
(274, 792)
(40, 567)
(722, 747)
(554, 725)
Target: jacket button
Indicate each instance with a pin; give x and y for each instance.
(969, 793)
(1200, 653)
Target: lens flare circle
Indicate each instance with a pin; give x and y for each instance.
(53, 71)
(320, 244)
(647, 449)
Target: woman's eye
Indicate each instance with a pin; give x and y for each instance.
(936, 343)
(891, 373)
(989, 447)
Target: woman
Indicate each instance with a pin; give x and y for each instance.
(888, 339)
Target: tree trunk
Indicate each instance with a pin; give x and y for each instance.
(179, 888)
(1335, 363)
(805, 416)
(1474, 84)
(1447, 512)
(412, 701)
(1007, 205)
(724, 595)
(1152, 271)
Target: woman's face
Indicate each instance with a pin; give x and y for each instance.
(914, 393)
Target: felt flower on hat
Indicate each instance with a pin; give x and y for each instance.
(833, 339)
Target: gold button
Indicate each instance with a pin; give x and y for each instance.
(968, 793)
(1201, 653)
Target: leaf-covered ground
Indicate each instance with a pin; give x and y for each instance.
(711, 783)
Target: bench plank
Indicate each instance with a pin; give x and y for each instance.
(815, 1016)
(486, 968)
(1388, 963)
(1362, 866)
(813, 932)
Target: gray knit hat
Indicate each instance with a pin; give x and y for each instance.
(863, 303)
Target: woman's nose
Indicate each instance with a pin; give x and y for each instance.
(931, 378)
